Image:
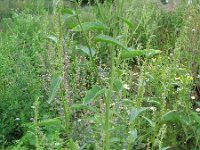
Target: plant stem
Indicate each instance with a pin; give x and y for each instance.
(86, 38)
(62, 73)
(108, 100)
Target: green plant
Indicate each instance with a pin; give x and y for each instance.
(112, 75)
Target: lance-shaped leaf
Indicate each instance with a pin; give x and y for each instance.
(82, 106)
(53, 38)
(92, 94)
(164, 148)
(171, 115)
(110, 40)
(136, 111)
(129, 23)
(55, 85)
(117, 85)
(68, 13)
(129, 54)
(86, 50)
(150, 121)
(90, 26)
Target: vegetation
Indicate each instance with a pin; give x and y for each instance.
(107, 75)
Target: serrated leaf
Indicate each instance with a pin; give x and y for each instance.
(88, 26)
(136, 111)
(110, 40)
(129, 54)
(85, 50)
(92, 94)
(55, 85)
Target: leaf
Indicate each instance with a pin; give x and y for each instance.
(55, 87)
(117, 85)
(136, 111)
(170, 116)
(85, 50)
(92, 94)
(165, 148)
(53, 38)
(133, 136)
(129, 54)
(198, 104)
(114, 140)
(49, 122)
(67, 16)
(73, 145)
(109, 40)
(150, 121)
(82, 106)
(68, 11)
(90, 26)
(129, 23)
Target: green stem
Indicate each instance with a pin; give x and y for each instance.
(36, 105)
(86, 38)
(62, 73)
(108, 100)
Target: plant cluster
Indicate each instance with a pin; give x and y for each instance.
(112, 75)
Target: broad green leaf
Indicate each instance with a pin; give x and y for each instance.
(170, 116)
(132, 136)
(92, 94)
(90, 26)
(117, 85)
(110, 40)
(55, 85)
(129, 54)
(129, 23)
(85, 50)
(136, 111)
(53, 38)
(68, 11)
(198, 104)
